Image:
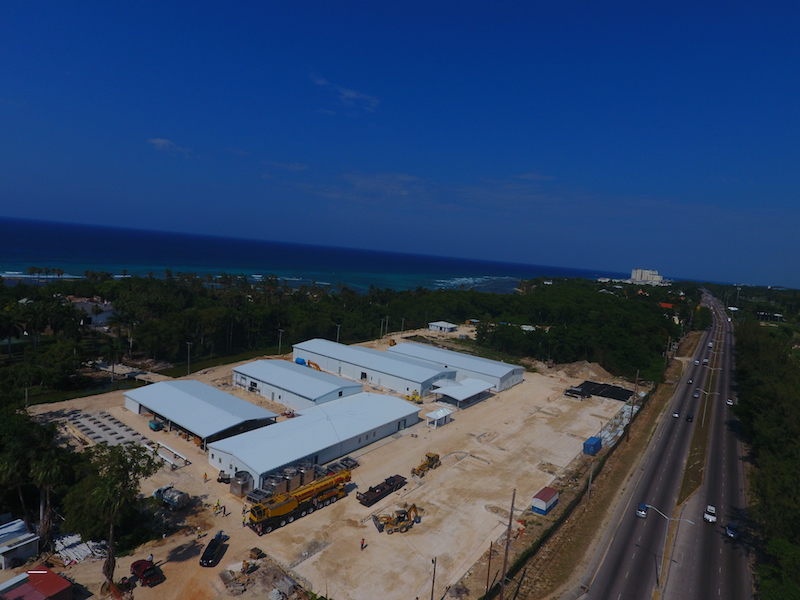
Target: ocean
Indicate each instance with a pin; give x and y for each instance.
(76, 249)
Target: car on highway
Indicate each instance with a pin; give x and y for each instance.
(147, 573)
(729, 402)
(710, 516)
(213, 551)
(690, 417)
(732, 530)
(696, 394)
(689, 382)
(676, 415)
(697, 362)
(641, 510)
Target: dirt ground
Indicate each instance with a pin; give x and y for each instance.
(523, 438)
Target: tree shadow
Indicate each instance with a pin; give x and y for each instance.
(185, 552)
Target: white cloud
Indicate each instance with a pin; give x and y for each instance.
(164, 145)
(348, 97)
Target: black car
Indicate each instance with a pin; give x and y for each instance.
(213, 551)
(690, 417)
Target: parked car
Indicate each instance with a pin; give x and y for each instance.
(710, 516)
(732, 530)
(641, 510)
(213, 551)
(147, 573)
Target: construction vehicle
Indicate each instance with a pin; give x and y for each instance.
(402, 520)
(281, 509)
(380, 491)
(414, 397)
(392, 342)
(313, 365)
(431, 462)
(173, 498)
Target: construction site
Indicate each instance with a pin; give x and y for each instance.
(419, 495)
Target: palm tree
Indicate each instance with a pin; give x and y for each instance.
(48, 469)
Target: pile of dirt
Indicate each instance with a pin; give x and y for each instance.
(586, 370)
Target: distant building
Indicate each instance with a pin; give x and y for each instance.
(646, 276)
(442, 326)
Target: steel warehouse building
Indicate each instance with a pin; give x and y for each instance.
(294, 385)
(398, 373)
(17, 544)
(197, 409)
(501, 375)
(317, 435)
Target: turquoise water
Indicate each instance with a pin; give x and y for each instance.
(79, 248)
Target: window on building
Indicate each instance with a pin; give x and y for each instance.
(340, 393)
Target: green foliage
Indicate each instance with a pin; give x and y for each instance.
(703, 319)
(769, 385)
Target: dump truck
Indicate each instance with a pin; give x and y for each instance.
(281, 509)
(431, 462)
(173, 498)
(380, 491)
(402, 520)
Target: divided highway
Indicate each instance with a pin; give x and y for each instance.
(632, 566)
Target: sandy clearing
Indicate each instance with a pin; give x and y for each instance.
(522, 438)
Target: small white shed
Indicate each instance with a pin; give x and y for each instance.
(442, 326)
(439, 417)
(17, 544)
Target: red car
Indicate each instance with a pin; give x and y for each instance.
(147, 573)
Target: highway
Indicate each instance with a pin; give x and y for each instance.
(633, 563)
(712, 565)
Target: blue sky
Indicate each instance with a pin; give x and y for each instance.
(590, 135)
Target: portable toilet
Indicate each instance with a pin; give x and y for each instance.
(545, 500)
(592, 446)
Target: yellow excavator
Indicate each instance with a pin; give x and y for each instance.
(402, 520)
(431, 462)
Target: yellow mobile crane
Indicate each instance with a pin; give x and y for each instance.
(281, 509)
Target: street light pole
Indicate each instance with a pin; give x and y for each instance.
(280, 339)
(660, 576)
(338, 327)
(188, 358)
(433, 581)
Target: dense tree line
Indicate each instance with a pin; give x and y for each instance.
(769, 387)
(624, 328)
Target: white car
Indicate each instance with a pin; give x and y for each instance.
(729, 402)
(710, 516)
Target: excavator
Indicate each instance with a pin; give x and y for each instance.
(431, 462)
(402, 520)
(313, 365)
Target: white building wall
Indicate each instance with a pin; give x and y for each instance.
(282, 396)
(132, 405)
(374, 378)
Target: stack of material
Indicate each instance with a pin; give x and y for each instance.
(71, 549)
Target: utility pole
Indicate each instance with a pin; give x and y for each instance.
(188, 358)
(508, 544)
(488, 569)
(280, 339)
(338, 327)
(402, 327)
(433, 581)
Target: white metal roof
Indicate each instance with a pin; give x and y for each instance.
(457, 360)
(406, 367)
(15, 534)
(439, 414)
(314, 430)
(466, 388)
(202, 409)
(442, 324)
(299, 380)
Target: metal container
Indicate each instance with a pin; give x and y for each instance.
(294, 477)
(241, 484)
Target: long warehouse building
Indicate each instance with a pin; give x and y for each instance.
(291, 384)
(317, 435)
(199, 410)
(398, 373)
(501, 375)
